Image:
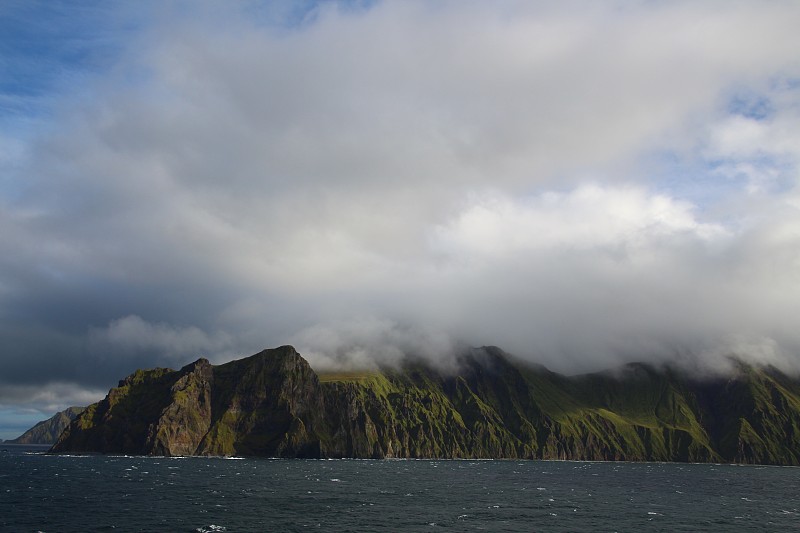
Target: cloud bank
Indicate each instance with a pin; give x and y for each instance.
(581, 184)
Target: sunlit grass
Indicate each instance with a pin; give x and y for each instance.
(328, 377)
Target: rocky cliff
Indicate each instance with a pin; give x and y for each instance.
(273, 404)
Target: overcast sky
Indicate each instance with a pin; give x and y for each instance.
(580, 183)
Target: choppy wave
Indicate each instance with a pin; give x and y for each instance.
(68, 493)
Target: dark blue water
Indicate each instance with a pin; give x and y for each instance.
(101, 493)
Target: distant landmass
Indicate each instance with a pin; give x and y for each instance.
(47, 431)
(273, 404)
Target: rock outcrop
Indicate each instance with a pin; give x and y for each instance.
(273, 404)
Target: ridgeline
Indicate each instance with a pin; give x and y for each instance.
(273, 404)
(47, 431)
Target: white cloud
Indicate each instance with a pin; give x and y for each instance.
(44, 400)
(361, 342)
(590, 216)
(131, 335)
(760, 149)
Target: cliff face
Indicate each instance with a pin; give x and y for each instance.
(274, 404)
(47, 431)
(257, 406)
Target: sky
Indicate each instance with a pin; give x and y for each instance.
(581, 183)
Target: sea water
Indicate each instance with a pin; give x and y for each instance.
(58, 493)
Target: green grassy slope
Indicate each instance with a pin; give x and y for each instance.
(274, 404)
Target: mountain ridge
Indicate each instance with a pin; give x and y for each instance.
(274, 404)
(48, 431)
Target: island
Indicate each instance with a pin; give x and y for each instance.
(489, 406)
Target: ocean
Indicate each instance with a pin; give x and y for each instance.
(52, 494)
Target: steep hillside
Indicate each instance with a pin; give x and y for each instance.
(47, 431)
(274, 404)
